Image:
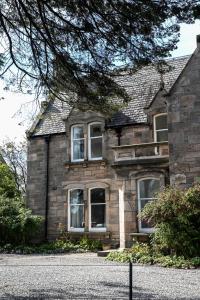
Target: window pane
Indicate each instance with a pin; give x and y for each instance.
(76, 196)
(161, 122)
(78, 149)
(97, 196)
(148, 188)
(96, 147)
(95, 130)
(77, 216)
(78, 132)
(162, 136)
(98, 216)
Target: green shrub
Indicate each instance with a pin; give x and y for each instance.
(17, 224)
(58, 246)
(8, 186)
(176, 217)
(141, 253)
(91, 245)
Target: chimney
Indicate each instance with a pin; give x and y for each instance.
(198, 41)
(44, 104)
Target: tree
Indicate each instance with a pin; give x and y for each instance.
(14, 154)
(8, 186)
(68, 47)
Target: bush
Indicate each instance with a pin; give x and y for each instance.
(90, 245)
(17, 224)
(176, 217)
(8, 186)
(141, 253)
(58, 246)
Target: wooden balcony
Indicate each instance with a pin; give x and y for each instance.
(141, 152)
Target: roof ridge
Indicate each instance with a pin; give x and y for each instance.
(178, 57)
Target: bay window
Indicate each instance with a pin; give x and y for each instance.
(160, 128)
(76, 210)
(147, 189)
(97, 220)
(78, 142)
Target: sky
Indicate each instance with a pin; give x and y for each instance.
(15, 108)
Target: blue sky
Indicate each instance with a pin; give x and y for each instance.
(11, 122)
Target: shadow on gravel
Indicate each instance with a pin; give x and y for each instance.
(117, 291)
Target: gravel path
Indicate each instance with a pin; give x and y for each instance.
(86, 276)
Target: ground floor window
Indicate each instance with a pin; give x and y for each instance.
(147, 188)
(90, 213)
(76, 210)
(97, 209)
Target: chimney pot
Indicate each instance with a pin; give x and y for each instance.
(198, 40)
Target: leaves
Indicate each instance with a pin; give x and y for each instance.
(176, 216)
(73, 47)
(17, 224)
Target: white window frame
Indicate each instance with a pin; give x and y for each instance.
(72, 229)
(72, 143)
(145, 230)
(90, 138)
(102, 229)
(158, 130)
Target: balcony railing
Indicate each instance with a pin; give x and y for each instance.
(137, 151)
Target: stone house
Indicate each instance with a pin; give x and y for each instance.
(92, 174)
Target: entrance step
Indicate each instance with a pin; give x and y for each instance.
(105, 253)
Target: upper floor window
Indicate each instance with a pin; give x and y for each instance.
(76, 210)
(78, 142)
(147, 188)
(160, 128)
(97, 220)
(95, 141)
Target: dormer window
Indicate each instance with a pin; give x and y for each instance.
(95, 138)
(78, 142)
(160, 128)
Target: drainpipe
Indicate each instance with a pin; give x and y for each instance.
(47, 140)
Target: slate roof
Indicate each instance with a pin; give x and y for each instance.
(141, 86)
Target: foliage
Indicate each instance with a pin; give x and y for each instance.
(74, 46)
(17, 224)
(7, 183)
(176, 217)
(142, 253)
(14, 154)
(88, 244)
(58, 246)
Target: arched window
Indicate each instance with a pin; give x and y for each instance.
(160, 128)
(97, 220)
(95, 139)
(147, 188)
(76, 210)
(77, 142)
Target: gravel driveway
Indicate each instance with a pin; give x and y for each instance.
(86, 276)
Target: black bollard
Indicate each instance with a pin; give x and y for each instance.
(130, 280)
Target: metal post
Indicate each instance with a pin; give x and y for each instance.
(130, 280)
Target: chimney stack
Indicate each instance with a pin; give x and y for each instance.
(198, 41)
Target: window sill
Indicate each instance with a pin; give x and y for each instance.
(85, 163)
(97, 230)
(102, 235)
